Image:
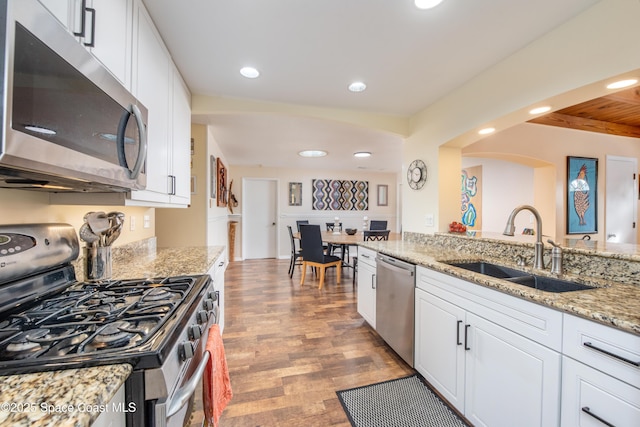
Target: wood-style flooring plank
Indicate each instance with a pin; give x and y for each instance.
(290, 348)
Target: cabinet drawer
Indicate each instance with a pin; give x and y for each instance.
(591, 398)
(540, 324)
(607, 349)
(367, 256)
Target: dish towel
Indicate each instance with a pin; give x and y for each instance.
(217, 385)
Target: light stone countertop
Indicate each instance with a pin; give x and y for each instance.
(613, 303)
(25, 393)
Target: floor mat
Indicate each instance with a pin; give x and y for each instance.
(403, 402)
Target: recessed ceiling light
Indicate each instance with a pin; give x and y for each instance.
(486, 131)
(622, 83)
(312, 153)
(249, 72)
(362, 154)
(540, 110)
(427, 4)
(357, 87)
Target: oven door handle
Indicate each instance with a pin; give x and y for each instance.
(183, 395)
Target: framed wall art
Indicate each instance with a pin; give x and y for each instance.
(213, 169)
(582, 195)
(221, 176)
(383, 195)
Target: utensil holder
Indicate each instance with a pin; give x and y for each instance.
(97, 263)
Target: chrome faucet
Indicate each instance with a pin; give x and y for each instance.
(510, 228)
(556, 257)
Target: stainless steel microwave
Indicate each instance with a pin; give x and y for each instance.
(67, 123)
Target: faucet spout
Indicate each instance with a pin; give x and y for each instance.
(510, 228)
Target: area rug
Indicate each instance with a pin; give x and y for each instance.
(403, 402)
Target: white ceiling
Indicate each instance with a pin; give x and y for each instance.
(308, 53)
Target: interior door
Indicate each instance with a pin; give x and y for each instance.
(621, 199)
(259, 218)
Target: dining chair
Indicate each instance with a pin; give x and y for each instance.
(377, 225)
(314, 256)
(342, 249)
(369, 235)
(296, 253)
(300, 222)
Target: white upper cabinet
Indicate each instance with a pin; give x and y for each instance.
(104, 27)
(180, 161)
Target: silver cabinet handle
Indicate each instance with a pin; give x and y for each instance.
(608, 353)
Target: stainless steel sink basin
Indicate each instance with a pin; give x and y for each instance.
(489, 269)
(543, 283)
(549, 284)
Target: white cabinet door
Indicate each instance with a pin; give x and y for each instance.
(217, 274)
(180, 170)
(110, 40)
(151, 85)
(591, 398)
(62, 10)
(510, 380)
(439, 345)
(367, 292)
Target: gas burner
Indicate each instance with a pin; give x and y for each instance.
(115, 334)
(68, 345)
(157, 294)
(27, 343)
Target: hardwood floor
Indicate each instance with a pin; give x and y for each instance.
(290, 348)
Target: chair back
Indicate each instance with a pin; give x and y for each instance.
(300, 222)
(377, 225)
(311, 241)
(369, 235)
(332, 225)
(291, 239)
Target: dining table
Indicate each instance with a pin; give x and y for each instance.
(343, 240)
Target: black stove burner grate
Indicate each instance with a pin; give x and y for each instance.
(93, 318)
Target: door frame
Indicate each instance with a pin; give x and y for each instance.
(246, 216)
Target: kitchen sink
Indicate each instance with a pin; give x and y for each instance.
(489, 269)
(543, 283)
(549, 284)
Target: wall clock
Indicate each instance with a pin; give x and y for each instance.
(417, 174)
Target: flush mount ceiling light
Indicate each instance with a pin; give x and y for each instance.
(540, 110)
(312, 153)
(622, 83)
(486, 131)
(362, 154)
(357, 87)
(427, 4)
(249, 72)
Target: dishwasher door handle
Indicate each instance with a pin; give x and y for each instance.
(394, 268)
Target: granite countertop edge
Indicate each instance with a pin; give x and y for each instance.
(76, 397)
(610, 303)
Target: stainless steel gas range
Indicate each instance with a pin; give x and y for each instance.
(51, 321)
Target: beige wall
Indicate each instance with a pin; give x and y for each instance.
(289, 214)
(564, 67)
(23, 207)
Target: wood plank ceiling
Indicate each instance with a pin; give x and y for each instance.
(615, 114)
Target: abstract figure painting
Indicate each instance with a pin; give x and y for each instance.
(340, 195)
(471, 197)
(582, 195)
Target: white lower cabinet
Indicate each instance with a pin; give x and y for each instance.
(600, 375)
(591, 398)
(367, 285)
(491, 374)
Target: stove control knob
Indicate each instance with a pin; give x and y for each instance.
(202, 316)
(186, 350)
(213, 295)
(207, 304)
(194, 332)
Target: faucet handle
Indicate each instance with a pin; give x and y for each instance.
(552, 243)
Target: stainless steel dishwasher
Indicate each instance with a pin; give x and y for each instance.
(395, 295)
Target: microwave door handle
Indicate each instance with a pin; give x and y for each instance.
(83, 22)
(142, 151)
